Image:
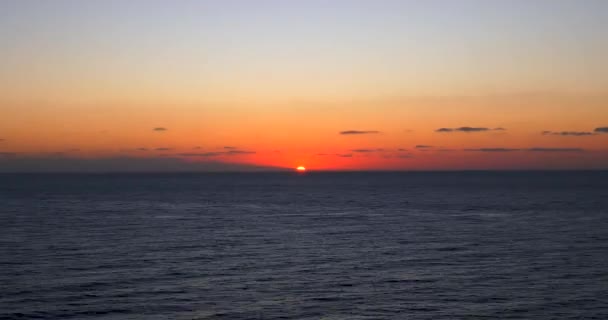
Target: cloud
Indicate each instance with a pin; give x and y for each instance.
(468, 129)
(404, 156)
(472, 129)
(2, 140)
(122, 164)
(142, 149)
(351, 132)
(398, 155)
(196, 148)
(160, 129)
(230, 148)
(601, 130)
(367, 150)
(541, 149)
(236, 152)
(401, 150)
(422, 146)
(163, 149)
(8, 154)
(216, 153)
(492, 150)
(204, 154)
(341, 155)
(535, 149)
(568, 133)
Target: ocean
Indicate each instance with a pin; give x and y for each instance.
(351, 245)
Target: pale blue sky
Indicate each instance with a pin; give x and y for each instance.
(395, 46)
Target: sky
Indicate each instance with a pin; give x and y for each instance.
(330, 85)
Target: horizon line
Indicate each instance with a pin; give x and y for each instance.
(309, 171)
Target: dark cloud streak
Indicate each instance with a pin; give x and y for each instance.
(217, 153)
(17, 163)
(367, 150)
(354, 132)
(341, 155)
(468, 129)
(541, 149)
(235, 152)
(8, 154)
(568, 133)
(492, 150)
(204, 154)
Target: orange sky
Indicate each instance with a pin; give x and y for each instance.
(277, 83)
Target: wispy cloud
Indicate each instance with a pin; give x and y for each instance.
(535, 149)
(492, 150)
(230, 148)
(428, 148)
(367, 150)
(17, 163)
(568, 133)
(541, 149)
(353, 132)
(601, 130)
(216, 153)
(160, 129)
(236, 152)
(163, 149)
(8, 154)
(468, 129)
(398, 156)
(341, 155)
(203, 154)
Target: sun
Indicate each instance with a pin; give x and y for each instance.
(301, 169)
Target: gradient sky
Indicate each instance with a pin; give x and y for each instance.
(257, 84)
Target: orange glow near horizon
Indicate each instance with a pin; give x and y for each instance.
(263, 87)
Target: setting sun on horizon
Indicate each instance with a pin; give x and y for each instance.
(357, 85)
(304, 159)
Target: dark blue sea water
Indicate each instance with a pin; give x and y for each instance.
(476, 245)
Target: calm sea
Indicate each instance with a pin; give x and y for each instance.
(474, 245)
